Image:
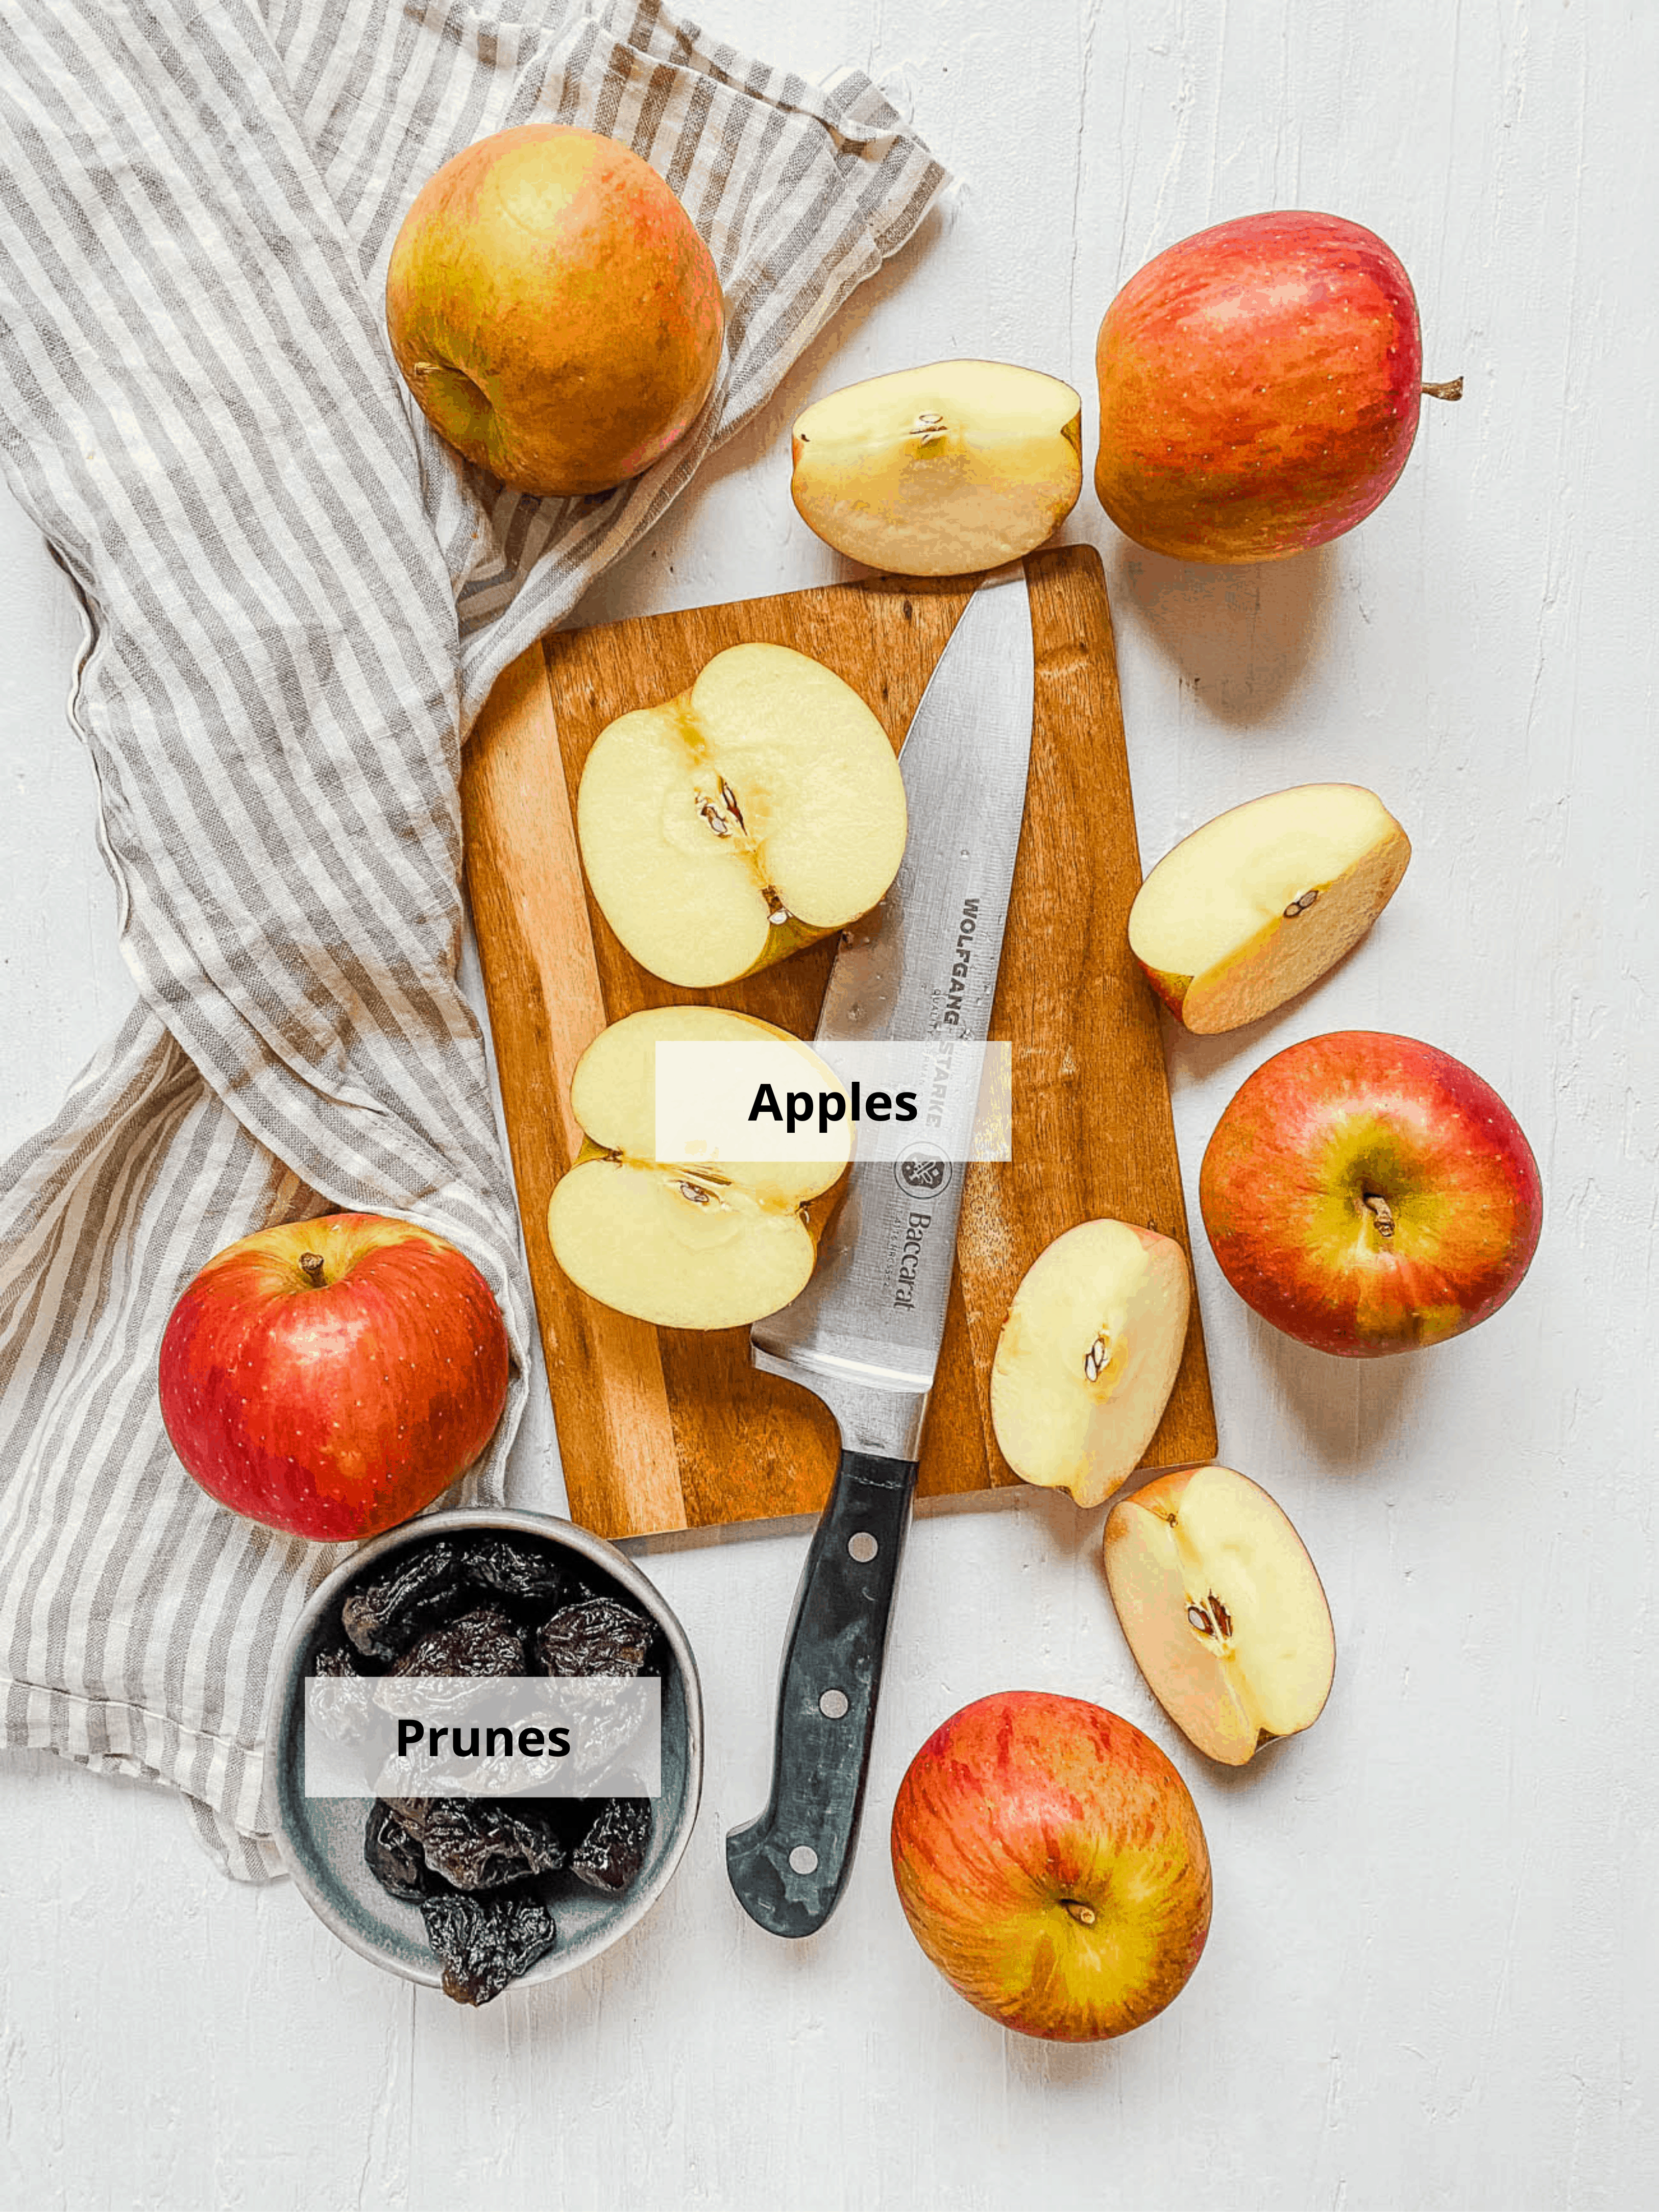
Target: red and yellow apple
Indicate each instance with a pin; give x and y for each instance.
(1366, 1193)
(1259, 388)
(330, 1377)
(1051, 1864)
(1222, 1607)
(553, 310)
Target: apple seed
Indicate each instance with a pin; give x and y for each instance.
(1095, 1359)
(1300, 905)
(696, 1193)
(711, 815)
(731, 805)
(1224, 1620)
(1200, 1620)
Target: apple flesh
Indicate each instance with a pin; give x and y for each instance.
(1259, 902)
(1052, 1865)
(757, 812)
(332, 1377)
(687, 1245)
(1088, 1357)
(1367, 1193)
(1259, 388)
(553, 311)
(1222, 1609)
(937, 472)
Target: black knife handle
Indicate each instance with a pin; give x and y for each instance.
(789, 1866)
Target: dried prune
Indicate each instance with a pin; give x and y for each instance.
(601, 1636)
(477, 1842)
(515, 1569)
(422, 1589)
(341, 1709)
(482, 1641)
(484, 1942)
(611, 1853)
(393, 1856)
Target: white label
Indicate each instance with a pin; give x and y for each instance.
(721, 1104)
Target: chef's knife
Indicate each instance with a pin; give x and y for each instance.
(864, 1336)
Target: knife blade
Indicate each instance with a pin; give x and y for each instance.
(864, 1336)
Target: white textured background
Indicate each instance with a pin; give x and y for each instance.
(1432, 1977)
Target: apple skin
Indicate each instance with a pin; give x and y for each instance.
(1259, 385)
(1354, 1116)
(1024, 1804)
(553, 309)
(333, 1410)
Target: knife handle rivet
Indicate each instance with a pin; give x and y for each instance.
(863, 1547)
(833, 1704)
(803, 1859)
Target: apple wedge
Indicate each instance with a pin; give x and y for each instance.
(1222, 1609)
(686, 1246)
(936, 471)
(1088, 1357)
(757, 811)
(1257, 904)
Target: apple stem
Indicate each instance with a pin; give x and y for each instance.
(311, 1267)
(1084, 1914)
(1454, 390)
(1381, 1211)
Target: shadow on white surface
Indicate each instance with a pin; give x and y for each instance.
(1240, 637)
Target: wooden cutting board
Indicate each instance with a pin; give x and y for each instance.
(664, 1429)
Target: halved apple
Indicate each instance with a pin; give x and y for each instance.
(936, 471)
(758, 810)
(1088, 1357)
(687, 1245)
(1258, 903)
(1222, 1608)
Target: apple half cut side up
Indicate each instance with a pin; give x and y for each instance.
(1088, 1357)
(940, 470)
(692, 1244)
(1222, 1607)
(754, 814)
(1259, 903)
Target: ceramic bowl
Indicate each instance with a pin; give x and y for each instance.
(321, 1839)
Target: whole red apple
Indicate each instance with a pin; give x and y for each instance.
(553, 309)
(1051, 1864)
(1259, 388)
(330, 1377)
(1366, 1194)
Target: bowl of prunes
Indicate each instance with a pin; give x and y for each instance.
(469, 1893)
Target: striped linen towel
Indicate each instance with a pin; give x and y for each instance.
(296, 601)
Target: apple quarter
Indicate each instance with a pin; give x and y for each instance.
(1257, 904)
(1222, 1607)
(724, 828)
(1088, 1356)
